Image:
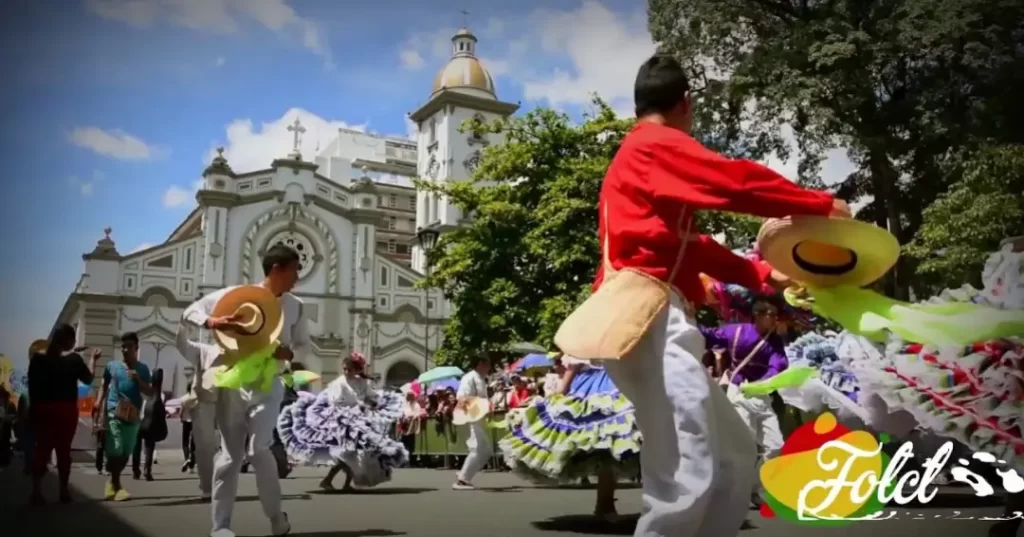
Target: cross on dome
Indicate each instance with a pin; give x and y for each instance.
(297, 130)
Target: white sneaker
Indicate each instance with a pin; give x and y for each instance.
(462, 485)
(280, 525)
(222, 533)
(205, 496)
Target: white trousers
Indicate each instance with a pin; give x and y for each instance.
(698, 459)
(480, 451)
(241, 413)
(204, 434)
(760, 418)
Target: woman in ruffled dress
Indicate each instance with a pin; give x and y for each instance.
(587, 427)
(973, 395)
(347, 426)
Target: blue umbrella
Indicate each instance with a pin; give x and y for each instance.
(443, 385)
(440, 373)
(534, 361)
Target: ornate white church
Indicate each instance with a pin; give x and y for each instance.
(352, 214)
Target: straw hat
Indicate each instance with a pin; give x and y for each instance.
(825, 252)
(475, 411)
(261, 319)
(37, 346)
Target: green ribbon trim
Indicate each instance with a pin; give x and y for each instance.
(793, 377)
(874, 316)
(256, 370)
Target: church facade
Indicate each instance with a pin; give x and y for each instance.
(351, 212)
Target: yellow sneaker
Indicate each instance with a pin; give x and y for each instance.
(109, 492)
(122, 495)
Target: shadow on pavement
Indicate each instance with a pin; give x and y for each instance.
(592, 525)
(355, 533)
(54, 519)
(373, 492)
(588, 524)
(192, 500)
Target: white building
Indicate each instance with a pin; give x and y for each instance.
(351, 213)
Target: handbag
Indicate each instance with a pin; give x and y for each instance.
(126, 411)
(610, 323)
(726, 379)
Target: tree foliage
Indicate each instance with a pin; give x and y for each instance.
(900, 83)
(964, 225)
(530, 251)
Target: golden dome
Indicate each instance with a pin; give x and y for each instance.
(464, 69)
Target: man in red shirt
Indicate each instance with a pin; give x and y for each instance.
(698, 458)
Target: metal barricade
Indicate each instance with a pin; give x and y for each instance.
(450, 443)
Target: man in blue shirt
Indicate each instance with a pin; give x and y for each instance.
(124, 384)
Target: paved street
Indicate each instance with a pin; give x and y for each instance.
(418, 503)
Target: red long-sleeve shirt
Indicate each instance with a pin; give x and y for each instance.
(658, 178)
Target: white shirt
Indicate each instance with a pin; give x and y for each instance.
(472, 385)
(294, 335)
(551, 383)
(204, 357)
(351, 391)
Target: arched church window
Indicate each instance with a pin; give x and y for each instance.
(298, 242)
(472, 162)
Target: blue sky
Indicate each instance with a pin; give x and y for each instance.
(112, 108)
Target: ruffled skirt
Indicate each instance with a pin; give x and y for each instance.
(316, 431)
(971, 395)
(567, 437)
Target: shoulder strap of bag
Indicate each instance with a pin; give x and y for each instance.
(732, 353)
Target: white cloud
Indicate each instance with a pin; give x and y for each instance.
(115, 144)
(604, 48)
(141, 247)
(176, 196)
(411, 59)
(411, 130)
(217, 16)
(220, 61)
(248, 148)
(86, 187)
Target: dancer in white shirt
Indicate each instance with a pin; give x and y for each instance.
(245, 412)
(474, 384)
(202, 403)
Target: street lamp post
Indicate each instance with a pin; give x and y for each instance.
(427, 237)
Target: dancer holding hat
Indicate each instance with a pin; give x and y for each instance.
(347, 425)
(698, 457)
(252, 321)
(472, 392)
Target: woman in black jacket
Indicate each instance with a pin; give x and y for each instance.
(153, 430)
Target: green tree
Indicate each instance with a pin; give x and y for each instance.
(968, 222)
(530, 252)
(898, 82)
(528, 255)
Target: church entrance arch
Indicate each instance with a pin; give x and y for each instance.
(400, 373)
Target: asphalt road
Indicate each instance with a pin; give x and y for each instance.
(418, 503)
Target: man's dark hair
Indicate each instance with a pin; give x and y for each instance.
(278, 255)
(761, 302)
(63, 334)
(298, 366)
(130, 337)
(477, 360)
(660, 85)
